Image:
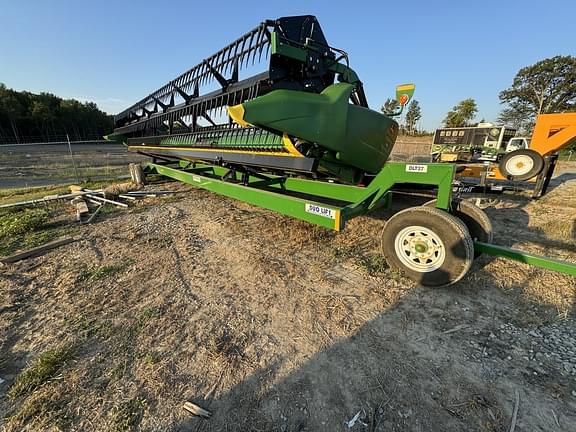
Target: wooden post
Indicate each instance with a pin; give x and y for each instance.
(40, 250)
(137, 174)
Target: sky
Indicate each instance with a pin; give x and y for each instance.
(116, 52)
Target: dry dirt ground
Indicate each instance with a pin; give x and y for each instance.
(277, 325)
(36, 165)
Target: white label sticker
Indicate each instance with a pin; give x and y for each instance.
(196, 178)
(321, 211)
(417, 168)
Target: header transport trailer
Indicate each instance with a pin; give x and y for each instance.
(298, 138)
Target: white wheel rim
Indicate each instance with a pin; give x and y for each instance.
(420, 249)
(519, 165)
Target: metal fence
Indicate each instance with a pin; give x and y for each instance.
(40, 164)
(48, 139)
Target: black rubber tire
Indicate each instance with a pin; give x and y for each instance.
(537, 167)
(457, 244)
(476, 220)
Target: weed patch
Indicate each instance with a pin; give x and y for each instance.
(374, 264)
(102, 272)
(44, 368)
(24, 229)
(128, 414)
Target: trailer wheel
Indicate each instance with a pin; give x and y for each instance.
(521, 164)
(475, 219)
(429, 245)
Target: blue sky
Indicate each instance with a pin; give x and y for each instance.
(116, 52)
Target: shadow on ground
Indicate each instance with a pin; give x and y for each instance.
(427, 376)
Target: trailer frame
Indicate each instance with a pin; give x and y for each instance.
(330, 204)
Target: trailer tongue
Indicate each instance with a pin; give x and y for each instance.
(298, 138)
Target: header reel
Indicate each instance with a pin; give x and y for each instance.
(306, 113)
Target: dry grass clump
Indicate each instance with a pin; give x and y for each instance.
(554, 299)
(560, 229)
(297, 232)
(120, 188)
(45, 409)
(555, 215)
(560, 197)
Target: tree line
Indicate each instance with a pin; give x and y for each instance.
(44, 117)
(548, 86)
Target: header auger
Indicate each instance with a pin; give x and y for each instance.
(298, 138)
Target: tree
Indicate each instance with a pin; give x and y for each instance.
(11, 110)
(390, 106)
(518, 118)
(47, 117)
(413, 115)
(461, 114)
(545, 87)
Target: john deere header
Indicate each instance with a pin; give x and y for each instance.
(303, 112)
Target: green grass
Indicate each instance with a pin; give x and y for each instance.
(88, 172)
(374, 264)
(150, 359)
(42, 370)
(128, 414)
(8, 196)
(102, 272)
(565, 154)
(22, 229)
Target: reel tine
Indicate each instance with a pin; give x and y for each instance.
(233, 56)
(224, 62)
(267, 54)
(221, 57)
(216, 59)
(204, 73)
(257, 45)
(244, 39)
(250, 47)
(262, 45)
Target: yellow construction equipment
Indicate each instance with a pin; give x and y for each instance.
(552, 133)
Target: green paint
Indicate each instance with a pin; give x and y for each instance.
(534, 260)
(354, 136)
(404, 93)
(237, 139)
(281, 47)
(285, 195)
(421, 247)
(272, 200)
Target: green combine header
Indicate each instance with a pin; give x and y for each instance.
(298, 137)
